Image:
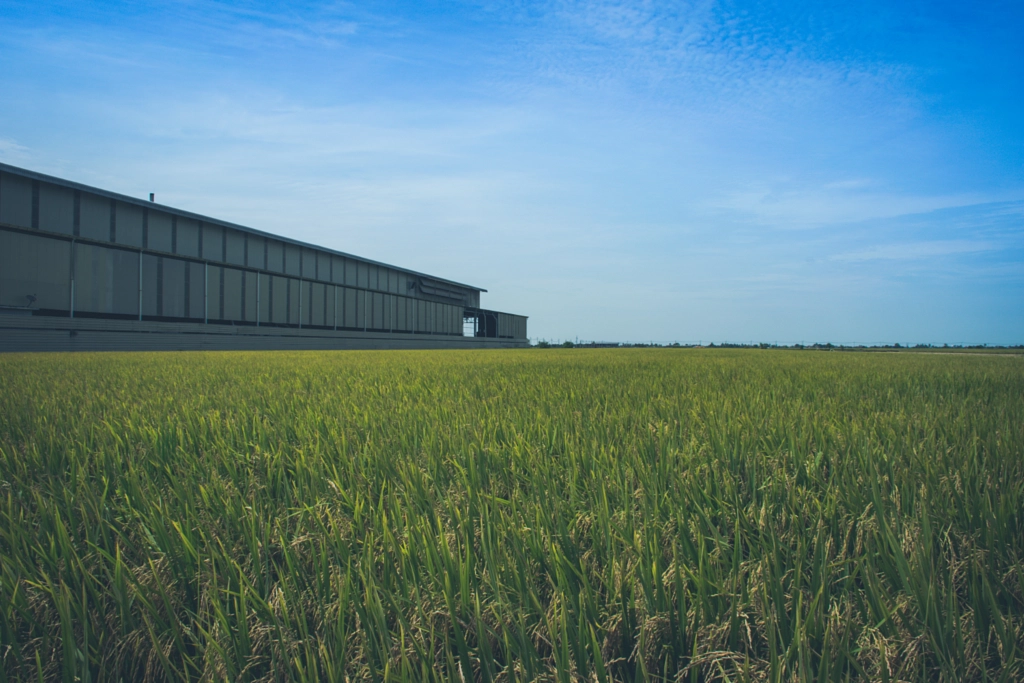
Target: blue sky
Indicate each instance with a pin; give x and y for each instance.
(617, 171)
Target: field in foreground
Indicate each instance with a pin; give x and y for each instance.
(512, 515)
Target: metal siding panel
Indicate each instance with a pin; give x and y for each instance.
(291, 264)
(158, 231)
(232, 294)
(351, 272)
(235, 242)
(364, 277)
(195, 290)
(53, 273)
(393, 281)
(275, 254)
(264, 297)
(329, 302)
(129, 224)
(316, 303)
(188, 236)
(15, 200)
(362, 309)
(249, 285)
(149, 284)
(338, 269)
(174, 287)
(213, 242)
(94, 215)
(56, 208)
(124, 282)
(255, 248)
(293, 301)
(304, 310)
(106, 280)
(350, 307)
(280, 300)
(308, 263)
(213, 291)
(34, 266)
(317, 263)
(377, 318)
(401, 308)
(323, 266)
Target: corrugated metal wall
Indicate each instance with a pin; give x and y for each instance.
(66, 250)
(27, 273)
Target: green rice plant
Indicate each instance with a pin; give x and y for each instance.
(562, 515)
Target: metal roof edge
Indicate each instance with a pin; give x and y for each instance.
(35, 175)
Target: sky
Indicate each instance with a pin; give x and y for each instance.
(617, 171)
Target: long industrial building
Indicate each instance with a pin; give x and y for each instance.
(86, 269)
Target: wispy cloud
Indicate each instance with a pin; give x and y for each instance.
(10, 148)
(916, 250)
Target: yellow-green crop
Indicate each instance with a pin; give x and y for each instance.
(563, 515)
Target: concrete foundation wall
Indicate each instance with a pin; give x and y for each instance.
(21, 332)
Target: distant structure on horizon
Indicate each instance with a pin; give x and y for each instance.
(86, 269)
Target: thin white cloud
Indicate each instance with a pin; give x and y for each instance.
(12, 148)
(916, 250)
(851, 184)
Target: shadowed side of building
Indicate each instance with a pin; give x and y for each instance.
(86, 269)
